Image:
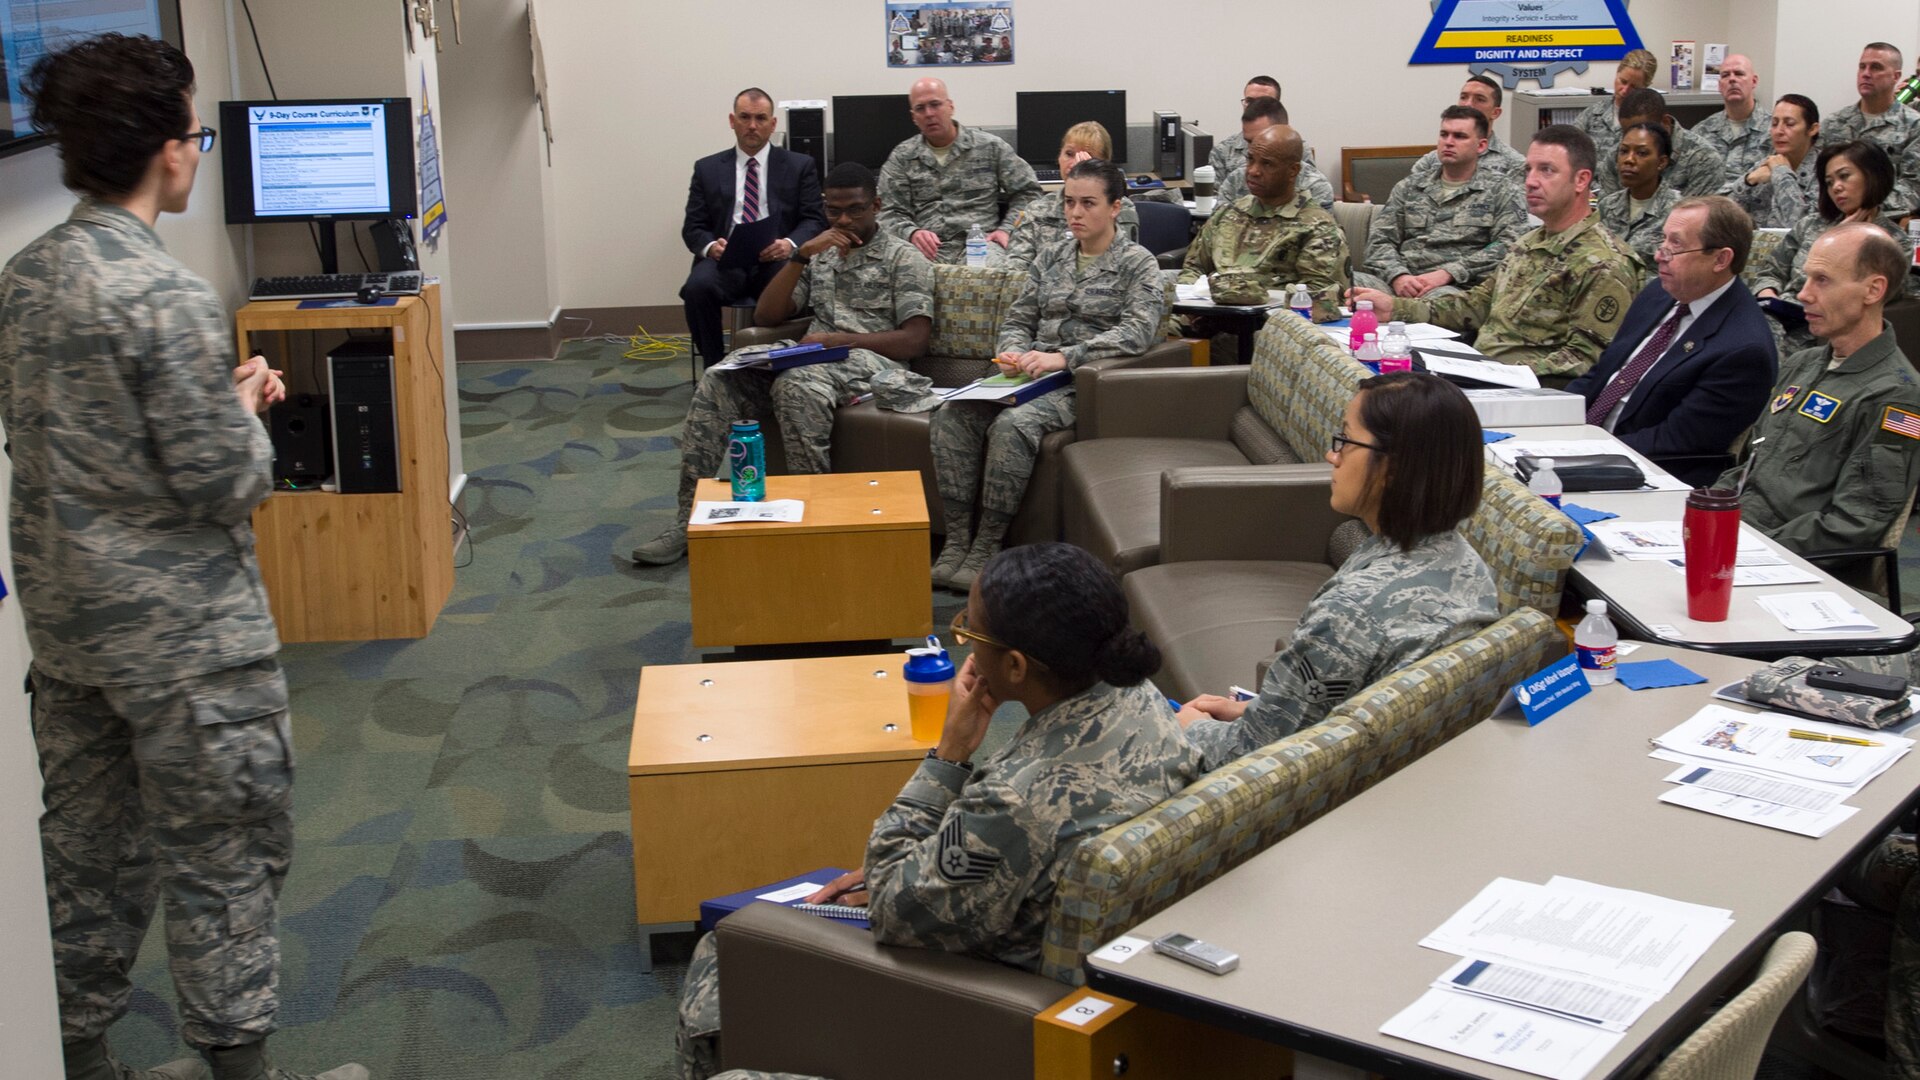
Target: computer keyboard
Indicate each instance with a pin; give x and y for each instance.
(1047, 176)
(334, 286)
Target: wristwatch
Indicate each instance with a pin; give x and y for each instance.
(798, 259)
(934, 755)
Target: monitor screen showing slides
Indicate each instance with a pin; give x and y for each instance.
(301, 160)
(30, 29)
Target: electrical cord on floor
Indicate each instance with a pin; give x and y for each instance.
(645, 346)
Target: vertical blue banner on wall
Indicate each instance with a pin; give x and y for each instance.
(1526, 32)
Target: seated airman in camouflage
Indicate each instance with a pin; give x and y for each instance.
(1779, 189)
(949, 178)
(869, 291)
(1483, 95)
(965, 858)
(1259, 115)
(1739, 132)
(1445, 229)
(1601, 120)
(1045, 220)
(1696, 169)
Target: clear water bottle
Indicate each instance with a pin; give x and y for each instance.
(1369, 352)
(1364, 322)
(1545, 482)
(1597, 642)
(1396, 349)
(976, 246)
(747, 459)
(1300, 302)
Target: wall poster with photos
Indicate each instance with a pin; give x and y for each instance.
(944, 35)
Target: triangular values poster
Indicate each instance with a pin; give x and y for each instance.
(1526, 31)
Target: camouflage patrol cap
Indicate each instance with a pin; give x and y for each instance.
(1238, 285)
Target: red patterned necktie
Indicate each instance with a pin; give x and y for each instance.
(1630, 376)
(750, 202)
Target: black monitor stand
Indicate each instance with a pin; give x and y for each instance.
(329, 247)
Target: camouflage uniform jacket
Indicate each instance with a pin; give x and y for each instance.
(1230, 153)
(1554, 304)
(875, 288)
(1644, 233)
(981, 173)
(1046, 220)
(1112, 308)
(1785, 197)
(966, 862)
(1601, 122)
(1498, 159)
(1740, 145)
(1897, 131)
(1311, 181)
(1833, 474)
(1695, 168)
(1785, 270)
(1298, 242)
(1464, 231)
(1382, 610)
(135, 467)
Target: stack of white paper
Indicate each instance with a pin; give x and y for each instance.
(1666, 541)
(1552, 974)
(1816, 613)
(723, 513)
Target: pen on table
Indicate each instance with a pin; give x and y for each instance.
(1816, 736)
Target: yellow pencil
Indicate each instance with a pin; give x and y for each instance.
(1815, 736)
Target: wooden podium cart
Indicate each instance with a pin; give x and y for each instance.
(358, 567)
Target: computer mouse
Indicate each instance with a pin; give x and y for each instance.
(370, 294)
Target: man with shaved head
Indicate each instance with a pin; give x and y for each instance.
(1275, 230)
(1842, 450)
(1737, 133)
(949, 178)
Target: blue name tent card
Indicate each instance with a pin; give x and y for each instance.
(1548, 690)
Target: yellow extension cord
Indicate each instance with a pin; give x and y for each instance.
(644, 346)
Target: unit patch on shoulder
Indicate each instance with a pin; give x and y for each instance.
(1900, 422)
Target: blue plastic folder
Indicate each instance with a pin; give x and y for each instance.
(1655, 674)
(712, 911)
(1494, 436)
(794, 356)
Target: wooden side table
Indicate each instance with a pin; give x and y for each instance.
(746, 773)
(858, 567)
(359, 567)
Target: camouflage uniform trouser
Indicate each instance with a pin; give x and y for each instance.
(970, 437)
(802, 399)
(1365, 280)
(696, 1039)
(181, 791)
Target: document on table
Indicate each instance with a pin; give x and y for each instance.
(1508, 1035)
(1761, 742)
(726, 513)
(1777, 572)
(1666, 541)
(1758, 811)
(1816, 612)
(1573, 998)
(1513, 376)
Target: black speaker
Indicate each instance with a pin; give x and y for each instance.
(393, 245)
(807, 134)
(366, 442)
(302, 450)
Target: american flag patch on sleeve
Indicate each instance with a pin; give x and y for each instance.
(1901, 422)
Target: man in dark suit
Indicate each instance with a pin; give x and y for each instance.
(752, 181)
(1694, 362)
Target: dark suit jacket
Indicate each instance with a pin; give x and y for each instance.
(1708, 388)
(792, 183)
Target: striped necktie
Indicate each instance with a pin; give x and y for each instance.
(750, 200)
(1616, 391)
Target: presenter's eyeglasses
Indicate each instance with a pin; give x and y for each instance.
(962, 636)
(204, 135)
(1341, 442)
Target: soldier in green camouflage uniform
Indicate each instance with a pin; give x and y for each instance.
(965, 859)
(1433, 224)
(1074, 307)
(159, 708)
(1230, 182)
(1891, 126)
(943, 190)
(1278, 234)
(1842, 451)
(1312, 183)
(868, 289)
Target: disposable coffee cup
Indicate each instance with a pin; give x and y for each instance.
(1203, 181)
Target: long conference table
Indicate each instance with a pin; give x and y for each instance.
(1327, 922)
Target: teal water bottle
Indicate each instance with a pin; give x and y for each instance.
(747, 457)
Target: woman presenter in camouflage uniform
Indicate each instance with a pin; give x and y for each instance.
(1045, 219)
(965, 858)
(1408, 463)
(1636, 211)
(1091, 295)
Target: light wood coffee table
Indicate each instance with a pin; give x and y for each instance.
(750, 772)
(856, 568)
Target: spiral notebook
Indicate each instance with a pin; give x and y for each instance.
(788, 893)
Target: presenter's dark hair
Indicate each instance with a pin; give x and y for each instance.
(1662, 138)
(1430, 451)
(1467, 112)
(1578, 144)
(1492, 84)
(1264, 108)
(1641, 103)
(1112, 178)
(1874, 165)
(1808, 110)
(111, 103)
(751, 92)
(852, 174)
(1063, 607)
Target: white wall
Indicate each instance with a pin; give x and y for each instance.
(31, 201)
(1817, 44)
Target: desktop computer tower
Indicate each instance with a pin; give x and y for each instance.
(302, 442)
(1197, 147)
(366, 436)
(807, 134)
(1167, 161)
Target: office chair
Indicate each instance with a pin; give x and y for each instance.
(1887, 555)
(1729, 1045)
(1165, 228)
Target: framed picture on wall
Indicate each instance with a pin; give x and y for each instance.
(945, 35)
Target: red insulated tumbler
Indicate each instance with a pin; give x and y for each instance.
(1712, 539)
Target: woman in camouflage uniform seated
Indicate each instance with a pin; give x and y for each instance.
(964, 860)
(1089, 295)
(1408, 463)
(1045, 220)
(1636, 212)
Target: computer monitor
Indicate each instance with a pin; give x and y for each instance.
(29, 31)
(866, 127)
(1041, 117)
(347, 159)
